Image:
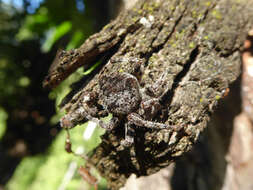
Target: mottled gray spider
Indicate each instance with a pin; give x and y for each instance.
(120, 94)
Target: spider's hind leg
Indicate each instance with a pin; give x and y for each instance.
(137, 120)
(129, 135)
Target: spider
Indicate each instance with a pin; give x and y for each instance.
(121, 95)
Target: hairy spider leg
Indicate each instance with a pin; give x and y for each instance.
(137, 120)
(107, 126)
(129, 135)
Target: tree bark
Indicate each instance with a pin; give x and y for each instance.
(195, 44)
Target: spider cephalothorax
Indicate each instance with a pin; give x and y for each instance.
(120, 93)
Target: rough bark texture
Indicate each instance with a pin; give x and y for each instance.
(195, 44)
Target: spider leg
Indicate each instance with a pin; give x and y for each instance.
(108, 126)
(71, 120)
(137, 120)
(129, 135)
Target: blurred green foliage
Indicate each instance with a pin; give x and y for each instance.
(55, 23)
(51, 170)
(31, 31)
(3, 117)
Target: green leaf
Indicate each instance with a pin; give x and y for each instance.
(87, 72)
(55, 35)
(76, 40)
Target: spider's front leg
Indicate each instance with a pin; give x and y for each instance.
(85, 110)
(107, 126)
(71, 120)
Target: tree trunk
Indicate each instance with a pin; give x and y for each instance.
(195, 46)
